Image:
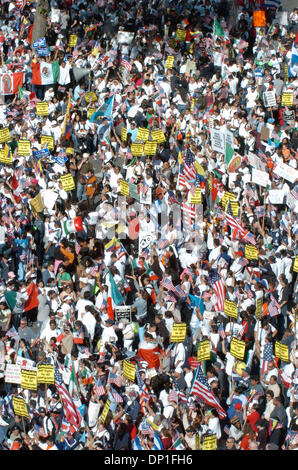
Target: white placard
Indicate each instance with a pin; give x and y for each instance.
(229, 139)
(146, 198)
(282, 17)
(26, 363)
(13, 374)
(55, 15)
(286, 172)
(255, 161)
(292, 202)
(276, 196)
(218, 141)
(49, 198)
(145, 240)
(269, 99)
(260, 177)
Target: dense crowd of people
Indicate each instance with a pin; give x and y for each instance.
(148, 226)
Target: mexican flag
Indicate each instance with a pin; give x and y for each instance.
(44, 73)
(232, 159)
(178, 444)
(10, 83)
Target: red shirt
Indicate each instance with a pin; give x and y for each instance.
(252, 419)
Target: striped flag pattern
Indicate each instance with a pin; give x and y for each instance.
(99, 389)
(144, 393)
(232, 222)
(201, 389)
(217, 284)
(267, 357)
(71, 413)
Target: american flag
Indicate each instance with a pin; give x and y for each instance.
(273, 307)
(99, 389)
(242, 330)
(172, 199)
(232, 222)
(249, 238)
(115, 379)
(242, 261)
(294, 192)
(162, 243)
(189, 214)
(144, 392)
(176, 290)
(173, 396)
(217, 284)
(146, 428)
(117, 397)
(71, 413)
(181, 395)
(125, 62)
(201, 389)
(221, 331)
(267, 357)
(121, 252)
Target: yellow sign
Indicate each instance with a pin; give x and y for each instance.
(24, 148)
(251, 252)
(231, 309)
(226, 197)
(91, 96)
(287, 99)
(70, 150)
(137, 149)
(124, 188)
(42, 109)
(210, 442)
(204, 351)
(29, 379)
(158, 136)
(150, 148)
(197, 442)
(45, 374)
(282, 351)
(123, 134)
(234, 207)
(47, 139)
(181, 34)
(5, 155)
(143, 134)
(170, 62)
(73, 38)
(259, 308)
(178, 333)
(20, 407)
(295, 267)
(37, 203)
(196, 197)
(4, 135)
(91, 111)
(237, 348)
(105, 411)
(129, 371)
(68, 182)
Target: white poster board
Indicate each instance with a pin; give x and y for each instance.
(260, 177)
(13, 374)
(292, 202)
(146, 198)
(286, 172)
(276, 196)
(125, 37)
(218, 141)
(269, 99)
(255, 161)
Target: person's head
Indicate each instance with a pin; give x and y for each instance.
(277, 401)
(230, 443)
(269, 395)
(23, 323)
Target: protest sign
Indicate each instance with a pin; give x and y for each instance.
(142, 134)
(137, 149)
(196, 197)
(276, 196)
(73, 38)
(218, 141)
(251, 252)
(29, 379)
(4, 135)
(25, 363)
(124, 188)
(158, 136)
(287, 99)
(230, 309)
(227, 196)
(24, 148)
(69, 150)
(105, 411)
(47, 139)
(20, 407)
(269, 99)
(123, 312)
(255, 161)
(45, 374)
(295, 266)
(123, 134)
(42, 108)
(259, 308)
(204, 351)
(181, 34)
(234, 207)
(5, 155)
(90, 97)
(282, 351)
(260, 177)
(178, 333)
(170, 62)
(146, 197)
(37, 203)
(13, 374)
(292, 202)
(150, 148)
(285, 171)
(67, 182)
(237, 348)
(210, 442)
(129, 371)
